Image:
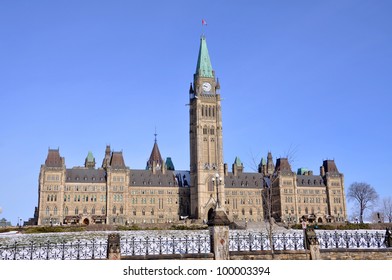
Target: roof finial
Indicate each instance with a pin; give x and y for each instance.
(155, 135)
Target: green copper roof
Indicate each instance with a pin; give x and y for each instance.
(90, 157)
(237, 161)
(169, 164)
(302, 171)
(204, 68)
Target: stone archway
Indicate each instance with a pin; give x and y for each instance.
(210, 212)
(86, 221)
(320, 220)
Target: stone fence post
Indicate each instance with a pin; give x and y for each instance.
(219, 234)
(312, 244)
(113, 249)
(388, 238)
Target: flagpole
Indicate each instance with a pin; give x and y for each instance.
(203, 22)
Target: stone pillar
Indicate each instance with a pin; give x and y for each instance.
(388, 238)
(312, 244)
(113, 249)
(219, 234)
(315, 252)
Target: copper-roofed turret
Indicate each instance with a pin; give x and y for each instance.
(53, 159)
(89, 161)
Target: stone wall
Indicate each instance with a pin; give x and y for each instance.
(355, 254)
(266, 255)
(326, 254)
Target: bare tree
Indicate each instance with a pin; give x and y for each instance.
(386, 208)
(364, 195)
(290, 154)
(268, 202)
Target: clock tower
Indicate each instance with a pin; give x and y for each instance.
(206, 149)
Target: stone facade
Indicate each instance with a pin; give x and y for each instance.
(115, 194)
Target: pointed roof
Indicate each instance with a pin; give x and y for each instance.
(117, 160)
(169, 164)
(330, 166)
(90, 160)
(282, 164)
(54, 159)
(204, 68)
(238, 162)
(155, 157)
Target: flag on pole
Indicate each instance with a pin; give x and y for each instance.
(203, 22)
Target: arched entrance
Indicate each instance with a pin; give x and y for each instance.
(86, 222)
(320, 220)
(209, 215)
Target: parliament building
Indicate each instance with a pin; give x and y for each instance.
(114, 194)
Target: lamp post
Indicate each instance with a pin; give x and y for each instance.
(216, 181)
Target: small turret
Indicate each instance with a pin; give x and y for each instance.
(106, 159)
(89, 161)
(238, 167)
(270, 164)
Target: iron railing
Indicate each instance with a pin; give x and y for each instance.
(76, 250)
(136, 246)
(195, 244)
(351, 240)
(261, 241)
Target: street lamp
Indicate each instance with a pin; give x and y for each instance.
(216, 181)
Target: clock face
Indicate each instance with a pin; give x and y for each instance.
(206, 87)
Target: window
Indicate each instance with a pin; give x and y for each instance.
(76, 211)
(55, 211)
(114, 209)
(47, 211)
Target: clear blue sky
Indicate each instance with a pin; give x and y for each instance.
(310, 78)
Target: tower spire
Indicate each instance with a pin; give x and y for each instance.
(204, 68)
(155, 161)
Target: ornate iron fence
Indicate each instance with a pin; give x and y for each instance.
(261, 241)
(295, 241)
(351, 240)
(77, 250)
(195, 244)
(165, 245)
